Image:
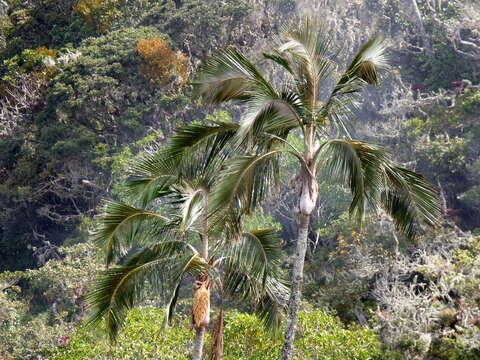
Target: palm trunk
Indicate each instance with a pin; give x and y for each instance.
(296, 291)
(201, 324)
(198, 344)
(217, 350)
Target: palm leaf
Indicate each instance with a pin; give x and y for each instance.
(358, 165)
(344, 99)
(308, 48)
(246, 179)
(192, 207)
(274, 113)
(229, 76)
(216, 137)
(409, 199)
(170, 308)
(364, 68)
(280, 60)
(150, 174)
(375, 181)
(270, 295)
(253, 271)
(257, 252)
(271, 306)
(119, 288)
(120, 225)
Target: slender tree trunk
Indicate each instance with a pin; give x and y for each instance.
(417, 18)
(217, 350)
(198, 344)
(296, 291)
(201, 328)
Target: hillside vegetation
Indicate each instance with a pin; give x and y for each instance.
(94, 93)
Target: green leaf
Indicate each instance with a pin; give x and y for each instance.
(409, 199)
(120, 226)
(246, 180)
(229, 76)
(358, 165)
(152, 173)
(119, 288)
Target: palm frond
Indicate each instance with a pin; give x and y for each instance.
(192, 207)
(409, 199)
(170, 308)
(120, 225)
(253, 273)
(271, 306)
(119, 288)
(270, 296)
(216, 137)
(308, 48)
(375, 181)
(267, 112)
(229, 76)
(200, 165)
(358, 165)
(280, 60)
(258, 252)
(364, 68)
(150, 174)
(246, 179)
(338, 114)
(344, 99)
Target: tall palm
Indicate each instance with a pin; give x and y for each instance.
(158, 252)
(312, 102)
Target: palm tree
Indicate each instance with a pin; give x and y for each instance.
(317, 104)
(158, 252)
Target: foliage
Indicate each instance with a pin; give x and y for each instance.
(98, 101)
(307, 57)
(162, 246)
(162, 63)
(437, 281)
(445, 145)
(200, 20)
(444, 59)
(345, 261)
(322, 336)
(108, 69)
(245, 338)
(48, 23)
(143, 337)
(258, 221)
(40, 306)
(76, 107)
(80, 97)
(97, 13)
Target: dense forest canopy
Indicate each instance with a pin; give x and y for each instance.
(90, 87)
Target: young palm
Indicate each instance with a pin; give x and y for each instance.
(305, 102)
(158, 252)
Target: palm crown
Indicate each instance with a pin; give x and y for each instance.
(162, 251)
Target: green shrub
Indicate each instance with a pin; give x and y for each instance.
(321, 336)
(453, 349)
(245, 338)
(142, 338)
